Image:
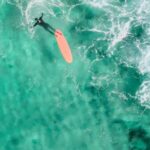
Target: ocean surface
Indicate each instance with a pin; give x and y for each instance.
(99, 102)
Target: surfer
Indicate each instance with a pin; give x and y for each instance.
(46, 26)
(61, 41)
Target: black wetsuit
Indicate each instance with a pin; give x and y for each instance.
(46, 26)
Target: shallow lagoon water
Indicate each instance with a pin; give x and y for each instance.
(99, 102)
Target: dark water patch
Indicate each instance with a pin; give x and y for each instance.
(95, 103)
(137, 30)
(131, 77)
(58, 116)
(91, 89)
(121, 122)
(91, 54)
(138, 139)
(122, 1)
(72, 28)
(15, 141)
(72, 2)
(139, 133)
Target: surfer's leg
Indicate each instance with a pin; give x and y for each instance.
(54, 30)
(51, 28)
(50, 31)
(47, 28)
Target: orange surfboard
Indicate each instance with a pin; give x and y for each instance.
(63, 46)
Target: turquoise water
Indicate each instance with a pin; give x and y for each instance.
(99, 102)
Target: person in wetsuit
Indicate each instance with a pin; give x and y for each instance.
(46, 26)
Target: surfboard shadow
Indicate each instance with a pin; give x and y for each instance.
(46, 51)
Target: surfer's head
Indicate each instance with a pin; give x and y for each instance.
(36, 19)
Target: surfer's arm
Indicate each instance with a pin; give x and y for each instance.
(35, 24)
(41, 16)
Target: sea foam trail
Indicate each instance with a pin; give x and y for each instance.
(125, 22)
(143, 94)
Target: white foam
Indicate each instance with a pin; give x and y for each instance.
(143, 94)
(144, 63)
(123, 32)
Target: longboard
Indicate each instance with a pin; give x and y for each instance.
(63, 46)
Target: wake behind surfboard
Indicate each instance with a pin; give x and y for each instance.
(63, 46)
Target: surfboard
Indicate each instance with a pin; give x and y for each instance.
(63, 46)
